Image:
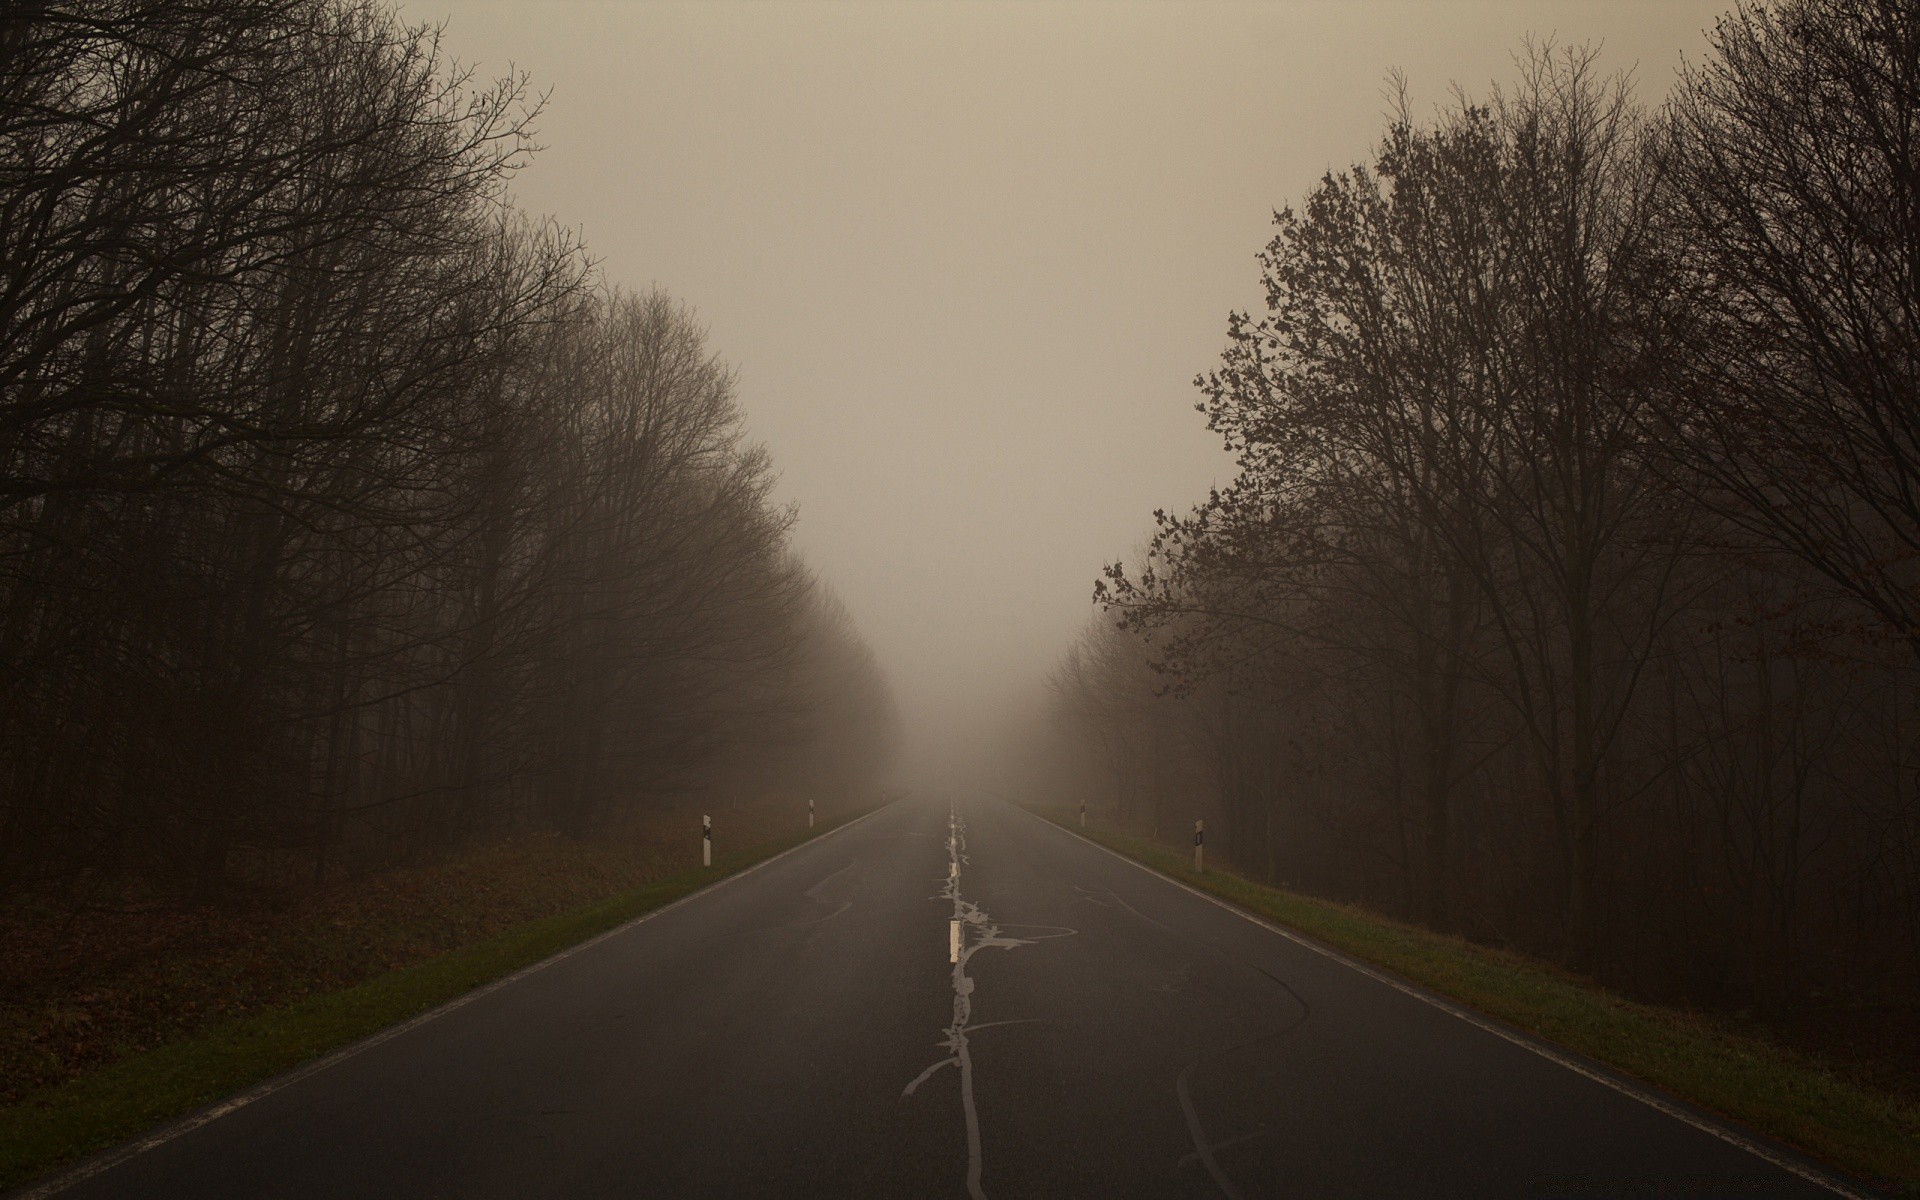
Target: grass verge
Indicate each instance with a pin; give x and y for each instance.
(1771, 1088)
(60, 1125)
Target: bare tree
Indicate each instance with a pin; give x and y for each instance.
(1792, 160)
(1567, 458)
(343, 515)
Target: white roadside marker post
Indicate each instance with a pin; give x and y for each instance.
(706, 841)
(1199, 836)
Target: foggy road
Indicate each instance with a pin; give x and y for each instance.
(804, 1030)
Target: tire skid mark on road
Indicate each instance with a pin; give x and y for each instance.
(972, 930)
(1203, 1148)
(1193, 1156)
(1104, 898)
(839, 906)
(814, 894)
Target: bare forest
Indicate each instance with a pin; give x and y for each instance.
(348, 515)
(1566, 593)
(545, 635)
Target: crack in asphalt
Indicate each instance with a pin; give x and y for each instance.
(971, 930)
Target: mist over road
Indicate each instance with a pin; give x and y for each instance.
(806, 1030)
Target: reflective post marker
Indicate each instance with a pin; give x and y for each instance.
(706, 841)
(1199, 836)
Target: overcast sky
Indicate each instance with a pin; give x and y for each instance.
(968, 257)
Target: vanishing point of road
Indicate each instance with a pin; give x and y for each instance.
(952, 998)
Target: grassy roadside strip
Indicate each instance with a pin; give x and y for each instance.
(1775, 1090)
(63, 1124)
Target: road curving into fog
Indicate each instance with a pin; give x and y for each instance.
(951, 999)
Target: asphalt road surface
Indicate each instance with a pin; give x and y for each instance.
(805, 1030)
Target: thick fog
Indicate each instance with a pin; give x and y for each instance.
(967, 258)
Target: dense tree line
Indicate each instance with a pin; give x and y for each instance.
(345, 514)
(1565, 594)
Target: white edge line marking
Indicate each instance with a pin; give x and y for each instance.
(109, 1159)
(1524, 1041)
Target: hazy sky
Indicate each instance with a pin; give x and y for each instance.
(968, 257)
